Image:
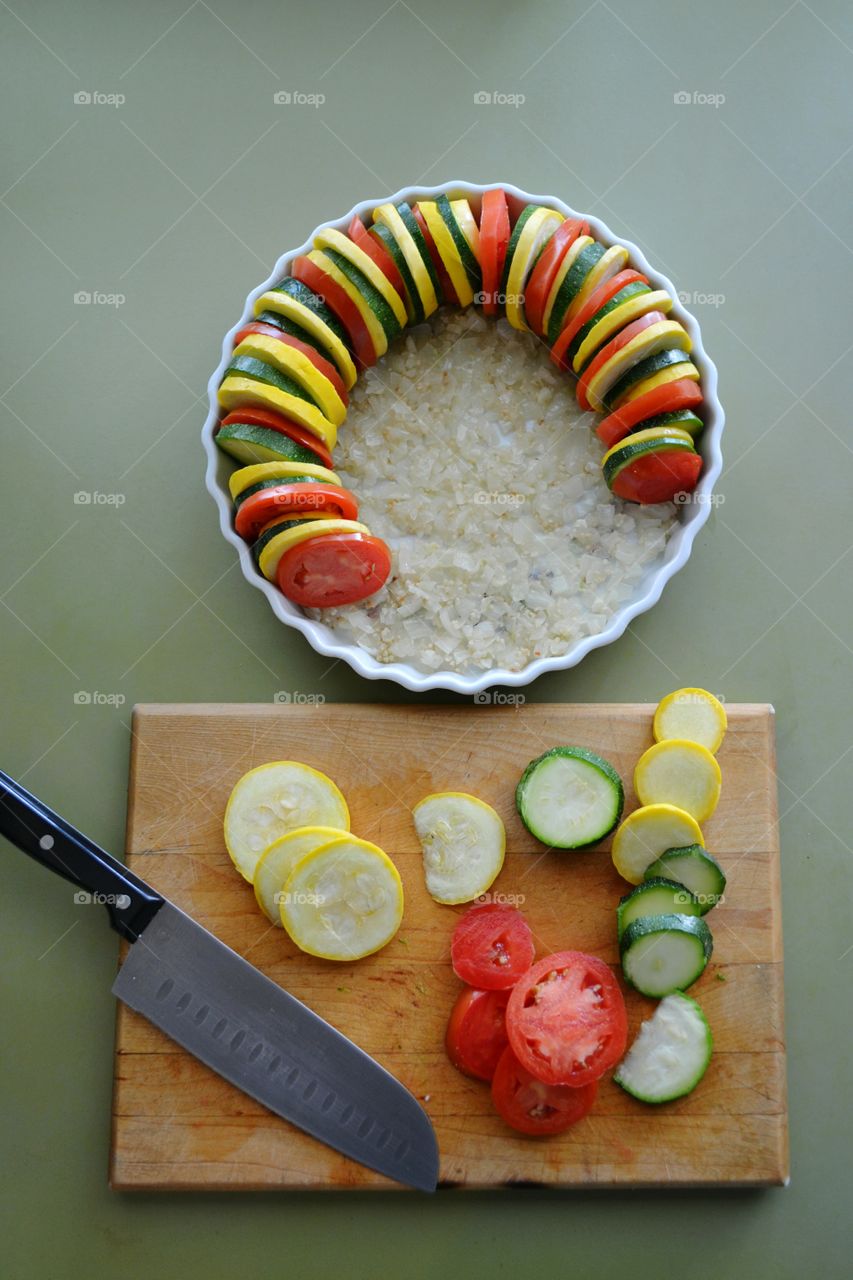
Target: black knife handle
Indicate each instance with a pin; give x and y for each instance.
(53, 842)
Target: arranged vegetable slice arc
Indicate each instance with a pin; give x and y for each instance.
(294, 498)
(492, 946)
(647, 833)
(643, 337)
(566, 1019)
(413, 228)
(247, 443)
(611, 262)
(276, 864)
(403, 232)
(447, 293)
(254, 415)
(662, 954)
(298, 362)
(268, 802)
(668, 365)
(569, 797)
(280, 537)
(298, 340)
(649, 440)
(334, 569)
(495, 234)
(344, 247)
(251, 382)
(476, 1032)
(469, 248)
(535, 233)
(297, 302)
(682, 773)
(568, 287)
(601, 303)
(683, 394)
(411, 295)
(670, 1054)
(696, 869)
(343, 901)
(656, 897)
(633, 301)
(463, 842)
(376, 316)
(528, 1105)
(545, 269)
(242, 482)
(375, 249)
(691, 714)
(683, 419)
(338, 298)
(448, 252)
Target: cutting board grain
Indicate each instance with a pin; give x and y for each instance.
(176, 1125)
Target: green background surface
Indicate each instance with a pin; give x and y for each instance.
(180, 199)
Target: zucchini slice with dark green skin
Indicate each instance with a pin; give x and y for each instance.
(469, 261)
(670, 1054)
(271, 531)
(636, 449)
(527, 212)
(389, 243)
(685, 419)
(645, 369)
(410, 222)
(656, 897)
(662, 954)
(571, 287)
(569, 798)
(696, 869)
(292, 329)
(260, 371)
(249, 443)
(371, 295)
(272, 483)
(301, 293)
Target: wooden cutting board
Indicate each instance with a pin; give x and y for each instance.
(177, 1125)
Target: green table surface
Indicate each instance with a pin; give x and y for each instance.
(167, 204)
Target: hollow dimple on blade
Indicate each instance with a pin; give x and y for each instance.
(245, 1027)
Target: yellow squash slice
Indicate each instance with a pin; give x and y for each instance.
(681, 773)
(463, 842)
(315, 525)
(693, 714)
(537, 231)
(296, 365)
(293, 309)
(245, 477)
(648, 833)
(236, 391)
(332, 239)
(275, 866)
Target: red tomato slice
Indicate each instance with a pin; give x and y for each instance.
(476, 1032)
(320, 363)
(535, 1108)
(494, 240)
(258, 417)
(546, 268)
(658, 477)
(597, 299)
(334, 568)
(613, 347)
(682, 394)
(283, 500)
(337, 300)
(492, 946)
(376, 250)
(566, 1019)
(450, 294)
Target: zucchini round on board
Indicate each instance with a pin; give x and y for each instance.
(656, 897)
(695, 868)
(679, 772)
(662, 954)
(463, 842)
(569, 798)
(670, 1053)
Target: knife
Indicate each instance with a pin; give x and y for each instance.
(225, 1012)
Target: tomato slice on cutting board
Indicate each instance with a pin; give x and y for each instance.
(494, 241)
(566, 1019)
(533, 1107)
(334, 569)
(476, 1032)
(492, 946)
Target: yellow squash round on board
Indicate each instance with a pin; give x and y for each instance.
(693, 714)
(343, 901)
(273, 799)
(679, 772)
(463, 842)
(276, 864)
(649, 832)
